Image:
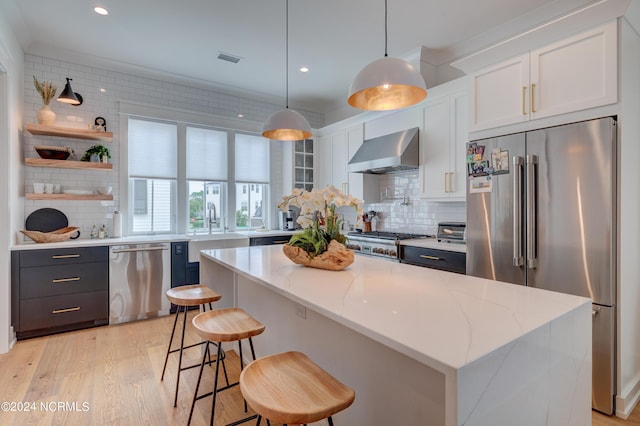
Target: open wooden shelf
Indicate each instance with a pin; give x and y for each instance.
(98, 197)
(67, 164)
(67, 132)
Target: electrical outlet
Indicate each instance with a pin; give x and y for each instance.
(301, 311)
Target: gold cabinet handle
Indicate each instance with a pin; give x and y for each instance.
(65, 256)
(62, 311)
(65, 280)
(280, 242)
(450, 182)
(533, 102)
(524, 95)
(445, 182)
(424, 256)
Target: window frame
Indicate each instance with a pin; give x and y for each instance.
(184, 119)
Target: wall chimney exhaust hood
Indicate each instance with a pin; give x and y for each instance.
(387, 154)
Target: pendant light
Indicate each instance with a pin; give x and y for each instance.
(387, 83)
(68, 96)
(286, 124)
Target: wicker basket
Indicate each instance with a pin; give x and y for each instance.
(62, 234)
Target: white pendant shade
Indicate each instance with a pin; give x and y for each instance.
(386, 84)
(286, 125)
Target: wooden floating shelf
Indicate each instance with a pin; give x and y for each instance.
(67, 164)
(68, 132)
(97, 197)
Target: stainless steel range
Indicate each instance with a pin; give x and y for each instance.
(380, 244)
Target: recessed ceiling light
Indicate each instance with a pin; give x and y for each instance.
(240, 115)
(304, 69)
(101, 10)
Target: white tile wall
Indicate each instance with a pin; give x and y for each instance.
(420, 216)
(118, 86)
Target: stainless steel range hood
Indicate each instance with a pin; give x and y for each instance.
(387, 154)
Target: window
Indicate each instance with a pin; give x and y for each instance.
(206, 174)
(252, 180)
(152, 176)
(179, 179)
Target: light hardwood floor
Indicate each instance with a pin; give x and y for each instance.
(112, 374)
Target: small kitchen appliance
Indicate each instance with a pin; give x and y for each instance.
(451, 232)
(288, 220)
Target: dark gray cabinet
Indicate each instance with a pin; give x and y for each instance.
(265, 241)
(445, 260)
(54, 290)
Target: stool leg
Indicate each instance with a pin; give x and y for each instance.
(175, 322)
(184, 326)
(215, 383)
(195, 393)
(259, 420)
(330, 421)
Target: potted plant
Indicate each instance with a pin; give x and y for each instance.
(320, 244)
(101, 151)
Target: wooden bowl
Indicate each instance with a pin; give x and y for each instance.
(62, 234)
(50, 152)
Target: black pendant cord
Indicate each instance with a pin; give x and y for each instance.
(287, 54)
(385, 28)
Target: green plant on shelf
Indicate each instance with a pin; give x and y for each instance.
(100, 150)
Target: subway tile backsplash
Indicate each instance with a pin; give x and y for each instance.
(419, 216)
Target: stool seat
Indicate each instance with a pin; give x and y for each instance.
(290, 388)
(226, 325)
(192, 295)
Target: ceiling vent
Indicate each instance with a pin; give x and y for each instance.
(229, 57)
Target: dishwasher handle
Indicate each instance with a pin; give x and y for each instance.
(137, 249)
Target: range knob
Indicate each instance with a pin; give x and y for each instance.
(393, 253)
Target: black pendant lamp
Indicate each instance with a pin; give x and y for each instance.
(68, 96)
(387, 83)
(286, 124)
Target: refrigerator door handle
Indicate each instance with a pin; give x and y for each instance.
(517, 214)
(532, 208)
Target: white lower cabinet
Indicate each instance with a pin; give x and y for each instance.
(443, 147)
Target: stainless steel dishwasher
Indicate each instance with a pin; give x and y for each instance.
(139, 277)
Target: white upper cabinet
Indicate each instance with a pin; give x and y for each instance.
(576, 73)
(443, 147)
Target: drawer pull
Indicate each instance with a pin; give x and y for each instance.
(65, 280)
(424, 256)
(280, 242)
(65, 256)
(62, 311)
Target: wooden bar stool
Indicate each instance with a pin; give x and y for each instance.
(219, 326)
(185, 297)
(289, 388)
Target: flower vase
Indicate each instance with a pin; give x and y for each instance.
(46, 116)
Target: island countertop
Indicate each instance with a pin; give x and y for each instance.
(459, 318)
(419, 346)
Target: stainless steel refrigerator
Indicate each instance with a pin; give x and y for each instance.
(541, 211)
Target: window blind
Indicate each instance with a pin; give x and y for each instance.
(153, 149)
(252, 159)
(206, 154)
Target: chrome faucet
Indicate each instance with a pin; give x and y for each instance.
(213, 219)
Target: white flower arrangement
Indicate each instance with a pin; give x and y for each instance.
(318, 216)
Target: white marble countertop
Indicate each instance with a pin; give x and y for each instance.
(142, 239)
(434, 244)
(441, 319)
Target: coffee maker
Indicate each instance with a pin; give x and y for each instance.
(288, 219)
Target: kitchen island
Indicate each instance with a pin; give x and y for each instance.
(419, 346)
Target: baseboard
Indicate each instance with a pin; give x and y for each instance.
(626, 403)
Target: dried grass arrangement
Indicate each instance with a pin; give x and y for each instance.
(46, 89)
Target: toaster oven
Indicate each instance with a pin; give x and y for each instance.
(452, 232)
